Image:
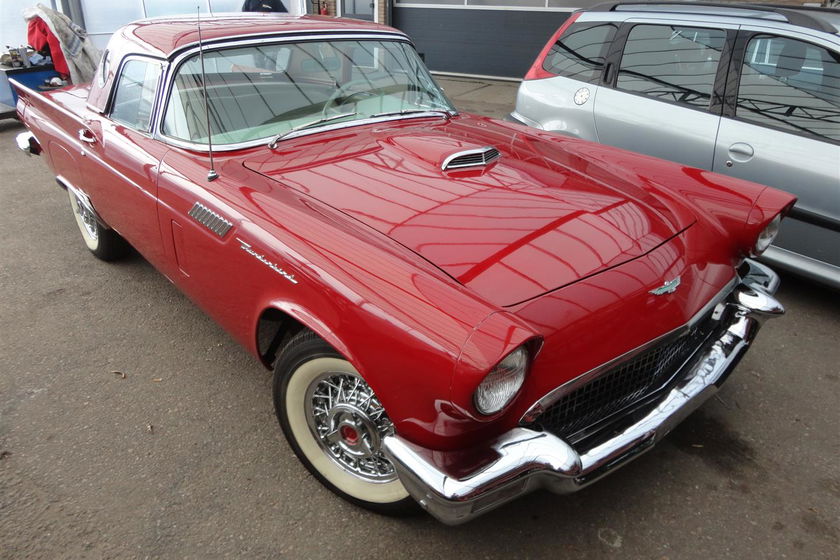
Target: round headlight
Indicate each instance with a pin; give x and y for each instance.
(766, 237)
(502, 383)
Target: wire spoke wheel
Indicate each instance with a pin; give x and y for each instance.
(85, 217)
(349, 422)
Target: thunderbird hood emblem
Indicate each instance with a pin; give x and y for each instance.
(668, 287)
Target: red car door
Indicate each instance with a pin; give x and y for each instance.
(120, 168)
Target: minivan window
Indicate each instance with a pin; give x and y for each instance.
(791, 84)
(580, 52)
(671, 63)
(135, 95)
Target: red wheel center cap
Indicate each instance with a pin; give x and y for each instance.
(349, 434)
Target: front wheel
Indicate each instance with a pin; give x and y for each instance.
(104, 243)
(335, 424)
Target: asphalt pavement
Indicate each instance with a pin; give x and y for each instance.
(132, 426)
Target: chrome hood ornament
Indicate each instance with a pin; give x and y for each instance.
(669, 287)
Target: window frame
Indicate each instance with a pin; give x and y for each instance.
(109, 110)
(716, 101)
(736, 64)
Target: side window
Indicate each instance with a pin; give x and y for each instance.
(791, 84)
(671, 63)
(135, 95)
(579, 53)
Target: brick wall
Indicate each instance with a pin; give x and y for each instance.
(382, 11)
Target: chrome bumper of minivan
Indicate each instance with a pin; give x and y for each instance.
(527, 459)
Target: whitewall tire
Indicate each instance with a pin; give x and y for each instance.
(104, 243)
(335, 424)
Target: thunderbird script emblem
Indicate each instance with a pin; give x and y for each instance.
(668, 287)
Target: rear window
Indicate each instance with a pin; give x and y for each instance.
(580, 52)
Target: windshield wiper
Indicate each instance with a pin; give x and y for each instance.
(446, 114)
(276, 139)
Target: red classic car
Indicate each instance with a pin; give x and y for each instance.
(458, 310)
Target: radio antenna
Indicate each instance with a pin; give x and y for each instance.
(211, 175)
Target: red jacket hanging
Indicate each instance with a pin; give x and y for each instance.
(39, 36)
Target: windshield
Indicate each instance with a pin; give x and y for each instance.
(262, 91)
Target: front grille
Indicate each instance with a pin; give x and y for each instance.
(619, 388)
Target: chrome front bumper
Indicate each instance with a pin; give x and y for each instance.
(527, 459)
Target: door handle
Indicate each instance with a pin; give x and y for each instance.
(741, 151)
(87, 136)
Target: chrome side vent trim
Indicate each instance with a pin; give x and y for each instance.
(471, 158)
(210, 219)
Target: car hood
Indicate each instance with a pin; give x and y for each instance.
(534, 220)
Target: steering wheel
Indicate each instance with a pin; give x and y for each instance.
(339, 95)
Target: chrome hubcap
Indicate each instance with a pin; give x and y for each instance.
(88, 219)
(349, 423)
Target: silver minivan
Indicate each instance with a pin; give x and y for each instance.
(744, 90)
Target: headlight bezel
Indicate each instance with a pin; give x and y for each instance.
(766, 237)
(500, 386)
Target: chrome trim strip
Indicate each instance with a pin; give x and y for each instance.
(209, 219)
(536, 409)
(357, 122)
(526, 460)
(284, 36)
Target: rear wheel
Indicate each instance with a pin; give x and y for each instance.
(104, 243)
(335, 424)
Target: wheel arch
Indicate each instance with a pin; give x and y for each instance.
(279, 321)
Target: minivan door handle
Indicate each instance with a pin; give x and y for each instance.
(739, 151)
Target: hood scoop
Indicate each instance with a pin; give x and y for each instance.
(471, 158)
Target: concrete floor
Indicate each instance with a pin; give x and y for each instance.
(183, 457)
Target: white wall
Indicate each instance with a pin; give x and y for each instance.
(12, 25)
(103, 17)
